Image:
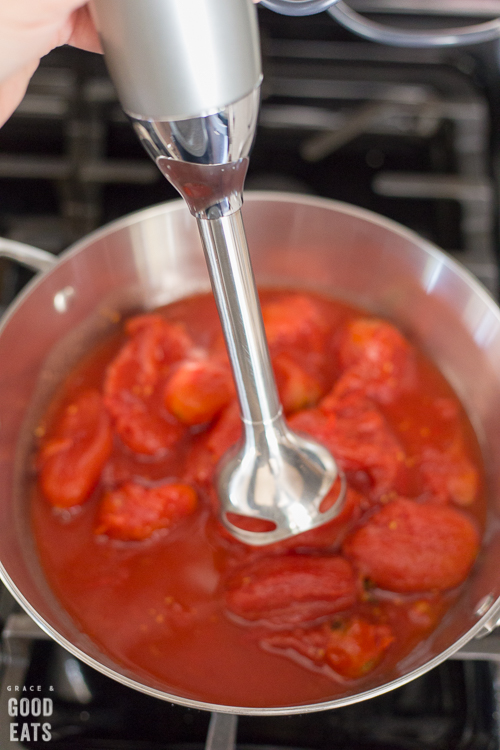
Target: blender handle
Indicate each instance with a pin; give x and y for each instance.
(26, 255)
(377, 32)
(175, 60)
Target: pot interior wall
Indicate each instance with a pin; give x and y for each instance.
(154, 257)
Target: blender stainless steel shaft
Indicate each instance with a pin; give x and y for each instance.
(188, 74)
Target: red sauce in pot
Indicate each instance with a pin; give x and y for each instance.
(125, 515)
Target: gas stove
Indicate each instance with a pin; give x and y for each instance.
(410, 134)
(48, 696)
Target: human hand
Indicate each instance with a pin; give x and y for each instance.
(29, 29)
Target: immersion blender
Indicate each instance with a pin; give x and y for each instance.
(188, 75)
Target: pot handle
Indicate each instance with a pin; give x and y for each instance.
(480, 649)
(35, 259)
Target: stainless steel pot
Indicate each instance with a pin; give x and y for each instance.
(154, 257)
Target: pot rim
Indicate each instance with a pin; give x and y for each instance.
(486, 618)
(251, 196)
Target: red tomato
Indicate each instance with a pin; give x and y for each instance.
(449, 475)
(72, 459)
(296, 387)
(351, 647)
(295, 322)
(308, 643)
(410, 547)
(143, 430)
(198, 390)
(133, 512)
(153, 346)
(133, 377)
(292, 589)
(209, 448)
(377, 359)
(171, 339)
(360, 439)
(356, 646)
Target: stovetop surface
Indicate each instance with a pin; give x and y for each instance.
(450, 707)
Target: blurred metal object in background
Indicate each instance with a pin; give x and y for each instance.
(447, 37)
(346, 16)
(297, 7)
